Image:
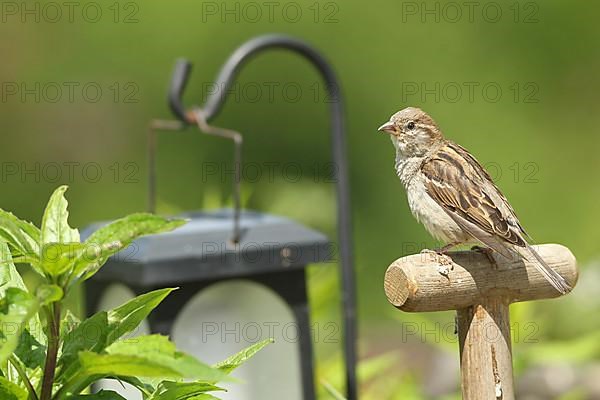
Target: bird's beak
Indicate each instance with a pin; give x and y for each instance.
(387, 127)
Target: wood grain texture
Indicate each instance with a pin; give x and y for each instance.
(485, 351)
(418, 282)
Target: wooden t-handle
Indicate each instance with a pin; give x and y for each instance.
(480, 291)
(419, 283)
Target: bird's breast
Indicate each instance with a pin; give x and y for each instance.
(429, 213)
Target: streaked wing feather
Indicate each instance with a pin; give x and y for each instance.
(473, 161)
(487, 240)
(456, 181)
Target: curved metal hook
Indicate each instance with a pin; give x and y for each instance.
(213, 105)
(179, 80)
(228, 72)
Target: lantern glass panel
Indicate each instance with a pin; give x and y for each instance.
(229, 316)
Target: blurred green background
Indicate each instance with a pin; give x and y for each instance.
(537, 136)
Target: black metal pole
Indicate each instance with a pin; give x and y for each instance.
(212, 107)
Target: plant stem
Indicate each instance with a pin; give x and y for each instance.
(15, 363)
(51, 355)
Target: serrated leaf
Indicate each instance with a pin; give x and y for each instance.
(101, 395)
(11, 391)
(55, 227)
(238, 359)
(112, 238)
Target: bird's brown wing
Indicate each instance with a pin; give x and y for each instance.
(473, 161)
(458, 183)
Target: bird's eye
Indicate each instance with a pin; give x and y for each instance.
(410, 126)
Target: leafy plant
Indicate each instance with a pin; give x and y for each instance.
(47, 354)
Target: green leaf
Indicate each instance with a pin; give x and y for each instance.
(90, 335)
(101, 395)
(238, 359)
(31, 352)
(150, 356)
(21, 235)
(117, 235)
(11, 391)
(47, 294)
(143, 386)
(204, 396)
(169, 390)
(104, 328)
(123, 365)
(159, 350)
(17, 307)
(55, 227)
(10, 277)
(68, 323)
(127, 317)
(33, 261)
(58, 258)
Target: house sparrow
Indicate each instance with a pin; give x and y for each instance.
(451, 194)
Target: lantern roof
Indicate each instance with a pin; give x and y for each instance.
(202, 249)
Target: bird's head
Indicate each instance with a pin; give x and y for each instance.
(412, 131)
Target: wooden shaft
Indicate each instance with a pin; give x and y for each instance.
(485, 351)
(420, 283)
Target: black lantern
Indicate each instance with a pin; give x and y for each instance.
(271, 252)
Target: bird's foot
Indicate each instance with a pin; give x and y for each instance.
(489, 253)
(444, 261)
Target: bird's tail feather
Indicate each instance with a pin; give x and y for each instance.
(552, 276)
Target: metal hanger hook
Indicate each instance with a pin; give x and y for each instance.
(237, 138)
(213, 105)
